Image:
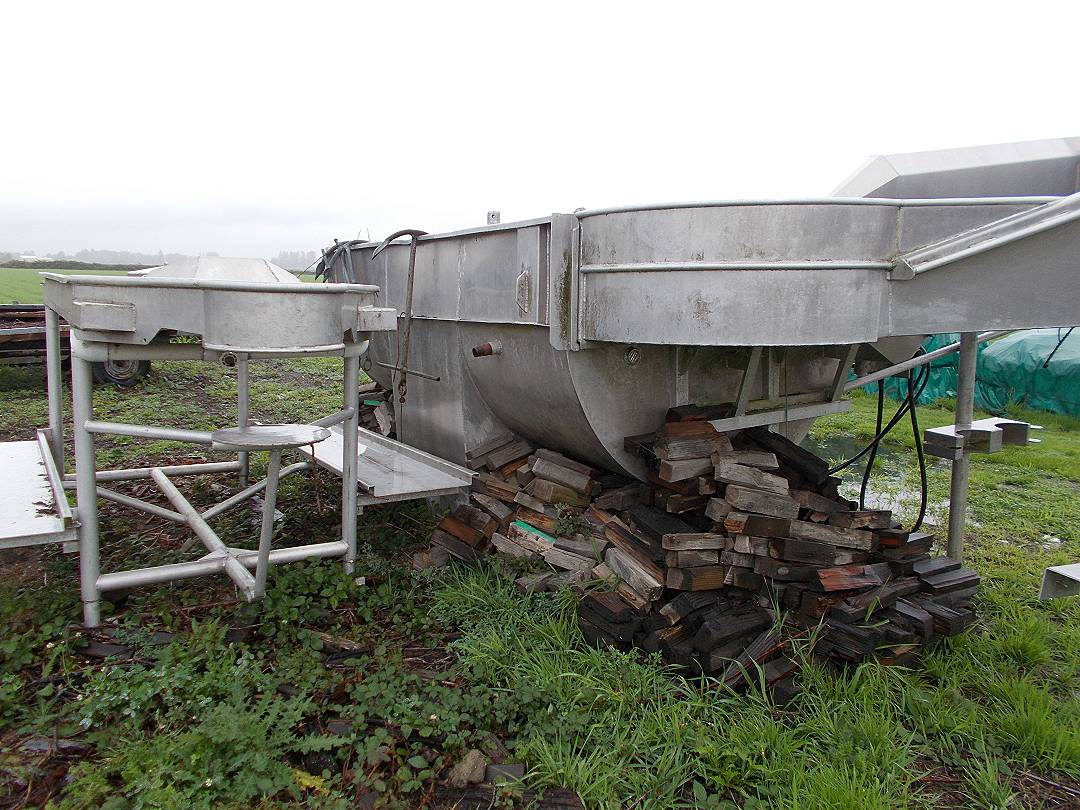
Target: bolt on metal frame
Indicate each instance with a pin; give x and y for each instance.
(220, 558)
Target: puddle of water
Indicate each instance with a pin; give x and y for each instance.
(888, 488)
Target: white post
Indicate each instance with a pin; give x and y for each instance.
(54, 386)
(350, 450)
(243, 410)
(82, 401)
(965, 411)
(273, 472)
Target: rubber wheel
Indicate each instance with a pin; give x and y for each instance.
(124, 373)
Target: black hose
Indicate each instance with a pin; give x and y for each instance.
(912, 409)
(884, 431)
(873, 451)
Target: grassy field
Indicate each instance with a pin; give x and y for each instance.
(20, 285)
(333, 693)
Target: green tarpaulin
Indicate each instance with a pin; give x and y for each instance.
(1011, 370)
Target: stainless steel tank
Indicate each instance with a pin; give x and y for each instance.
(604, 319)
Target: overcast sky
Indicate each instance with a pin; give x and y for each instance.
(249, 128)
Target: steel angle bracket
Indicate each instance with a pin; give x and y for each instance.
(984, 436)
(1060, 580)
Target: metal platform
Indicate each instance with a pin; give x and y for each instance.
(388, 470)
(34, 510)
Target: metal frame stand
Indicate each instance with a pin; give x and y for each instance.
(961, 466)
(219, 558)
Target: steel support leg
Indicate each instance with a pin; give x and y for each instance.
(273, 472)
(82, 402)
(350, 450)
(243, 408)
(965, 410)
(54, 387)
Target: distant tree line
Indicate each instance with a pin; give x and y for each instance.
(295, 260)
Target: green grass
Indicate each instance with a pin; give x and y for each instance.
(22, 285)
(455, 660)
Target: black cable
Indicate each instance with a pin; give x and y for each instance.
(912, 403)
(873, 452)
(884, 431)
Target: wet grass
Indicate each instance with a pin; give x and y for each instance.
(244, 707)
(22, 285)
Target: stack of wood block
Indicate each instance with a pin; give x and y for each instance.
(737, 543)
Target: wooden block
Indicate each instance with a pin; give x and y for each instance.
(611, 607)
(891, 538)
(686, 603)
(596, 637)
(813, 469)
(745, 578)
(508, 454)
(681, 504)
(748, 544)
(477, 518)
(654, 524)
(645, 579)
(737, 559)
(706, 485)
(507, 546)
(699, 443)
(728, 472)
(489, 446)
(692, 559)
(602, 571)
(634, 543)
(832, 535)
(867, 519)
(556, 473)
(530, 537)
(535, 504)
(590, 547)
(761, 459)
(552, 493)
(883, 596)
(619, 499)
(919, 620)
(462, 531)
(509, 471)
(693, 541)
(632, 597)
(704, 578)
(723, 626)
(624, 631)
(567, 560)
(935, 565)
(544, 522)
(811, 553)
(746, 499)
(681, 470)
(665, 635)
(497, 488)
(524, 475)
(784, 571)
(947, 581)
(816, 605)
(817, 503)
(959, 598)
(848, 577)
(498, 510)
(757, 525)
(564, 461)
(533, 583)
(717, 509)
(455, 547)
(947, 621)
